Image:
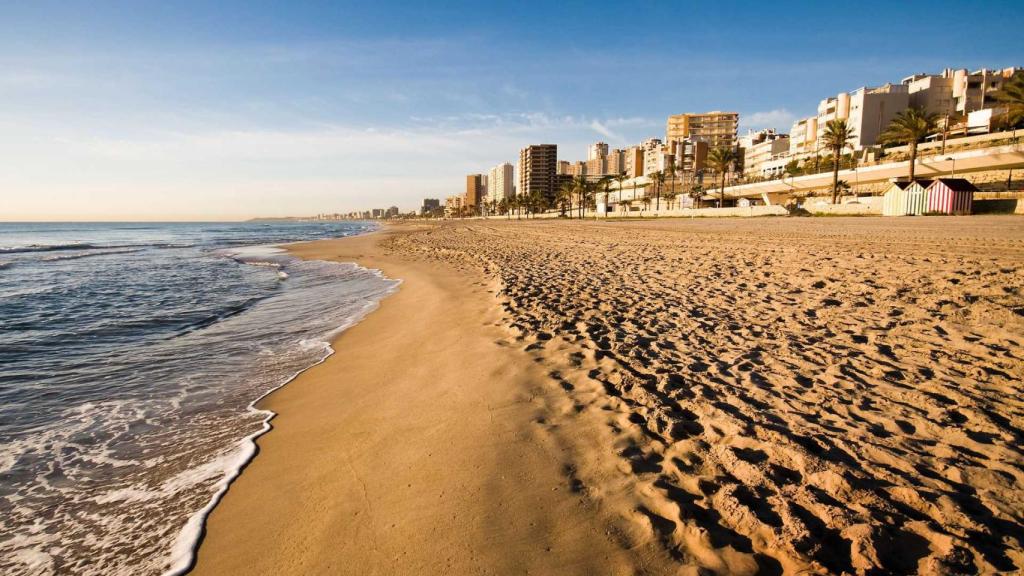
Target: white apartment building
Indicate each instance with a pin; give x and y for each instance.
(654, 155)
(500, 182)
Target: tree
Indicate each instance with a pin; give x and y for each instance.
(1011, 95)
(581, 188)
(658, 181)
(910, 126)
(793, 169)
(671, 192)
(720, 160)
(605, 184)
(565, 194)
(696, 193)
(619, 179)
(836, 138)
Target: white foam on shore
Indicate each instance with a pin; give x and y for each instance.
(183, 550)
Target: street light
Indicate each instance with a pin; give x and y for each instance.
(952, 171)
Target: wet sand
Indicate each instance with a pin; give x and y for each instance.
(777, 395)
(411, 450)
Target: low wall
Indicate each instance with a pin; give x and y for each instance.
(998, 206)
(869, 205)
(739, 211)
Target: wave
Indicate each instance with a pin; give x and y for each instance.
(4, 265)
(88, 254)
(262, 263)
(185, 546)
(32, 248)
(47, 248)
(218, 317)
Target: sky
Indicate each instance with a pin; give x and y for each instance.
(197, 110)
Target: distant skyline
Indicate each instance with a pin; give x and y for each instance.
(203, 111)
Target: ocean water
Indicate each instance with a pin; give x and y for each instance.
(130, 359)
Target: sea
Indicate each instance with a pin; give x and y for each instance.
(131, 360)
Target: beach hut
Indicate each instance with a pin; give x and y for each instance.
(906, 198)
(950, 196)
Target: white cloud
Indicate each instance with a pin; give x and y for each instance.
(604, 130)
(780, 118)
(60, 173)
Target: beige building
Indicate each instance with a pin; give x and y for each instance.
(453, 206)
(615, 162)
(716, 128)
(932, 92)
(690, 155)
(974, 91)
(538, 167)
(759, 148)
(803, 136)
(871, 110)
(597, 150)
(633, 161)
(500, 183)
(867, 110)
(957, 92)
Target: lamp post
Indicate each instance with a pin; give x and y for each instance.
(952, 171)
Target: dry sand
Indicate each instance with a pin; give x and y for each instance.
(734, 396)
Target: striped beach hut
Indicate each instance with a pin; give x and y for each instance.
(906, 198)
(950, 196)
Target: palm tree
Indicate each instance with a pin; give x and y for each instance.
(671, 193)
(565, 194)
(580, 187)
(619, 179)
(605, 184)
(792, 168)
(1012, 96)
(720, 160)
(910, 127)
(658, 179)
(697, 192)
(836, 138)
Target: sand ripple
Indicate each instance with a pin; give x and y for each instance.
(779, 395)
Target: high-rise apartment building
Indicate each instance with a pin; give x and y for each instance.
(429, 205)
(597, 150)
(716, 128)
(634, 161)
(538, 165)
(500, 183)
(689, 155)
(654, 156)
(476, 191)
(615, 162)
(868, 111)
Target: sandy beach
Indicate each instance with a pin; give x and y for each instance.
(774, 396)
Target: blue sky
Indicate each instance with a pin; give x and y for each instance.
(203, 110)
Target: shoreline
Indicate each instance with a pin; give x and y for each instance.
(185, 548)
(262, 523)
